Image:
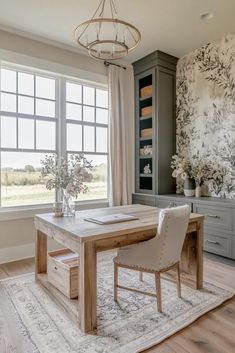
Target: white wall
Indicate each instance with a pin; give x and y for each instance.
(17, 235)
(29, 52)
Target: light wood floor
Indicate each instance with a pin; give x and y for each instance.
(213, 333)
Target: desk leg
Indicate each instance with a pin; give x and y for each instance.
(87, 287)
(41, 253)
(199, 259)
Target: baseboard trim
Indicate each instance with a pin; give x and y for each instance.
(15, 253)
(24, 251)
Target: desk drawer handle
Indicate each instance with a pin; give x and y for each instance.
(213, 242)
(212, 216)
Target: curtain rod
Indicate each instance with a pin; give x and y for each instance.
(107, 63)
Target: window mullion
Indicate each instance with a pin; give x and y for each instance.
(17, 109)
(62, 118)
(0, 142)
(34, 111)
(61, 123)
(82, 120)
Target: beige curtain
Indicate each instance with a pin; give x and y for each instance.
(121, 135)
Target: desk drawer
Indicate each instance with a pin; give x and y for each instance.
(217, 243)
(217, 217)
(62, 271)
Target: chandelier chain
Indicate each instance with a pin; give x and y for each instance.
(102, 9)
(101, 4)
(112, 8)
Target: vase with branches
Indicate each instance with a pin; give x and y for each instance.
(68, 176)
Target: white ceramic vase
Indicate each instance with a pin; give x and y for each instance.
(189, 187)
(198, 191)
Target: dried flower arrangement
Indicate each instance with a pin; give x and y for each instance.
(67, 175)
(203, 171)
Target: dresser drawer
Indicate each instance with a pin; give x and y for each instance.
(143, 200)
(217, 217)
(233, 247)
(217, 243)
(163, 203)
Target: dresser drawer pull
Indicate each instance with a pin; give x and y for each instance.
(55, 268)
(213, 242)
(213, 216)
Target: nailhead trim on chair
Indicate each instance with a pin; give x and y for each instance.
(164, 241)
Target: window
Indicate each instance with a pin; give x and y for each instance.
(87, 131)
(30, 123)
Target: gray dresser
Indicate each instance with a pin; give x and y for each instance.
(219, 225)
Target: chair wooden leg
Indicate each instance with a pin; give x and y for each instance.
(141, 276)
(115, 281)
(158, 291)
(178, 281)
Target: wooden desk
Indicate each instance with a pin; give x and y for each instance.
(87, 239)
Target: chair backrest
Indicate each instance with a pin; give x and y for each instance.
(172, 227)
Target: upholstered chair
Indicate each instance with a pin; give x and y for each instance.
(157, 255)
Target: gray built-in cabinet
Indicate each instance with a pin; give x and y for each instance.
(155, 126)
(219, 223)
(155, 122)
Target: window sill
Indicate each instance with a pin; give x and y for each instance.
(24, 212)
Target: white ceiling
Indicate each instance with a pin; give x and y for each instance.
(173, 26)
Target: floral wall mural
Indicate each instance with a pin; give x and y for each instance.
(206, 107)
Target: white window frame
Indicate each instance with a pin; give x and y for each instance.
(60, 134)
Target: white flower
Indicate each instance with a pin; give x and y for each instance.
(175, 173)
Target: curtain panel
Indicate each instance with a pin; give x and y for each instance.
(121, 135)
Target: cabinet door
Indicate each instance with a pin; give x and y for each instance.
(166, 129)
(164, 203)
(143, 200)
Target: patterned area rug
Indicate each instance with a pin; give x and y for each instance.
(30, 322)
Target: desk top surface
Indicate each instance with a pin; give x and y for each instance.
(79, 228)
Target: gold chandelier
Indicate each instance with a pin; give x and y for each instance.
(107, 37)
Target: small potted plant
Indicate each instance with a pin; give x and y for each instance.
(182, 169)
(68, 176)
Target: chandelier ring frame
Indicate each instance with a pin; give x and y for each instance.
(106, 20)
